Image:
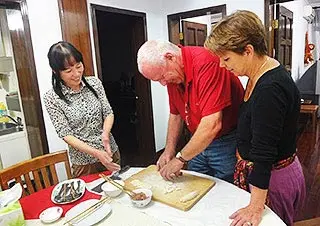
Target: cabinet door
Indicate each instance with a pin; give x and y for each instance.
(14, 149)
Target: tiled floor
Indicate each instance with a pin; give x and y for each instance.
(308, 146)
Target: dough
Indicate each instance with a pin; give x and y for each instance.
(169, 189)
(140, 184)
(189, 196)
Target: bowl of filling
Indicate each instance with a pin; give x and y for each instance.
(111, 190)
(141, 197)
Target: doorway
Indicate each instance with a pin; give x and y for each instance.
(180, 30)
(118, 34)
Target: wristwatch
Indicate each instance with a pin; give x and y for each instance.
(179, 156)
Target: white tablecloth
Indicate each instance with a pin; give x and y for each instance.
(213, 209)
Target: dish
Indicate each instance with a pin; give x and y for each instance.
(68, 191)
(100, 213)
(142, 202)
(112, 190)
(51, 214)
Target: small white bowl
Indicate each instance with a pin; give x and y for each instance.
(51, 214)
(144, 202)
(112, 190)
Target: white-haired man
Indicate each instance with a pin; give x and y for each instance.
(203, 95)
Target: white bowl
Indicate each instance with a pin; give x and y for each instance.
(51, 214)
(111, 190)
(144, 202)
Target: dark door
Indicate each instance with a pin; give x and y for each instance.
(283, 36)
(118, 35)
(194, 34)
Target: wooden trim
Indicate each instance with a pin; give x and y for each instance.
(96, 40)
(279, 1)
(174, 19)
(27, 75)
(116, 10)
(94, 8)
(34, 77)
(267, 23)
(199, 12)
(75, 29)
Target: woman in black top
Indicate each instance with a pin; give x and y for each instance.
(267, 164)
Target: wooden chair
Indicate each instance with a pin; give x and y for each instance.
(42, 169)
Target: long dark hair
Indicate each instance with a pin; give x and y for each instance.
(59, 55)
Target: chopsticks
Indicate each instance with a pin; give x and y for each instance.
(108, 179)
(88, 211)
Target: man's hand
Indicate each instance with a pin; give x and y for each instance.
(105, 136)
(172, 169)
(164, 158)
(106, 160)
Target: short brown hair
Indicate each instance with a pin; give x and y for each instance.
(235, 32)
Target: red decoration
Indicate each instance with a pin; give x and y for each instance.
(308, 58)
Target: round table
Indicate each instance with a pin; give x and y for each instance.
(213, 209)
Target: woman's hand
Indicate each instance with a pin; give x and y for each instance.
(105, 136)
(248, 216)
(106, 159)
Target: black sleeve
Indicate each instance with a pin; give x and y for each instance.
(268, 115)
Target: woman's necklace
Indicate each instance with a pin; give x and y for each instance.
(262, 65)
(252, 81)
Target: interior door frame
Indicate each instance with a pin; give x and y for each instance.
(195, 27)
(74, 23)
(174, 19)
(109, 9)
(147, 147)
(23, 54)
(268, 19)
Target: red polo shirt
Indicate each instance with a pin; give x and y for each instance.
(209, 89)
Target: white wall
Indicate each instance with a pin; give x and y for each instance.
(177, 6)
(46, 30)
(300, 27)
(257, 6)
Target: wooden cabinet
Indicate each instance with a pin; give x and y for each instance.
(14, 148)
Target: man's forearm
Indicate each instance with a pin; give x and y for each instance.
(207, 130)
(175, 125)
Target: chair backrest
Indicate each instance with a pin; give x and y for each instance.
(42, 169)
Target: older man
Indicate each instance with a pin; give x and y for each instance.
(203, 95)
